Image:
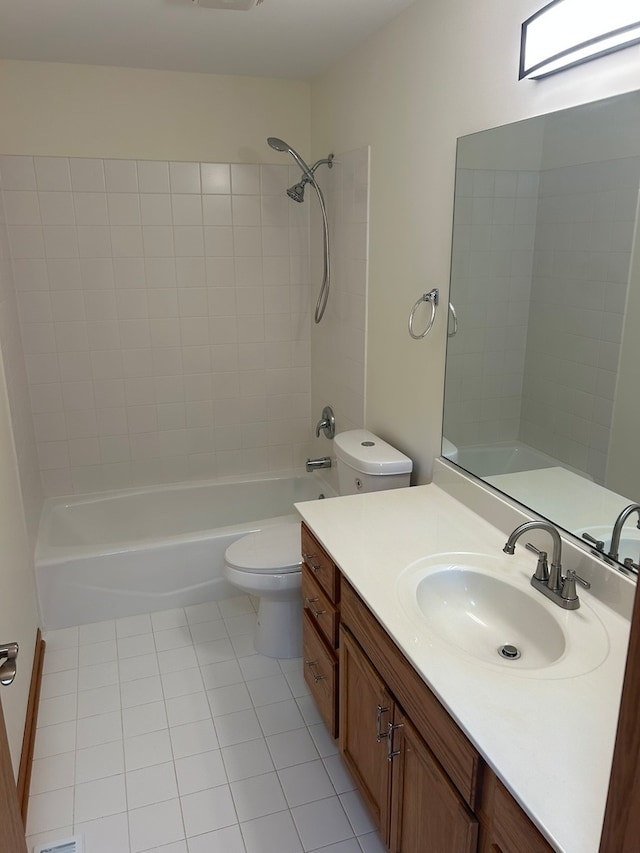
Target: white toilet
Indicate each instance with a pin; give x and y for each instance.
(268, 563)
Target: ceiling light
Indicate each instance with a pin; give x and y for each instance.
(568, 32)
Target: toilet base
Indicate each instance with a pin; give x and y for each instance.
(279, 630)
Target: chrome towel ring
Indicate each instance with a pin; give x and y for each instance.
(431, 297)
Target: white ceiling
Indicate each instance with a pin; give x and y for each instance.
(295, 39)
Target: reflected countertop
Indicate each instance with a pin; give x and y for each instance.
(514, 720)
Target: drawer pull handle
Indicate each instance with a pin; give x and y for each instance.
(316, 676)
(379, 733)
(391, 752)
(310, 602)
(309, 558)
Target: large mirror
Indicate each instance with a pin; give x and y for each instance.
(542, 392)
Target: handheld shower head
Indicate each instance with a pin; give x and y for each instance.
(280, 145)
(277, 144)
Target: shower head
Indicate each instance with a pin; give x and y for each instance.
(281, 145)
(296, 192)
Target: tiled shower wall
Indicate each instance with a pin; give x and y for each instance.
(164, 312)
(13, 364)
(494, 234)
(584, 240)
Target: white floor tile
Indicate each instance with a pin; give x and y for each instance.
(97, 762)
(142, 719)
(372, 843)
(193, 738)
(243, 760)
(166, 619)
(267, 691)
(97, 632)
(141, 692)
(322, 822)
(135, 646)
(236, 606)
(172, 638)
(142, 666)
(309, 710)
(325, 744)
(99, 798)
(207, 632)
(97, 653)
(258, 796)
(289, 748)
(59, 683)
(304, 783)
(100, 700)
(259, 666)
(214, 652)
(50, 810)
(181, 683)
(338, 774)
(52, 740)
(175, 660)
(227, 840)
(47, 836)
(49, 774)
(130, 626)
(221, 674)
(349, 846)
(188, 709)
(59, 660)
(147, 750)
(152, 826)
(59, 709)
(291, 664)
(201, 771)
(175, 847)
(151, 785)
(280, 717)
(229, 699)
(106, 834)
(207, 810)
(98, 675)
(239, 625)
(275, 833)
(244, 645)
(297, 684)
(203, 612)
(357, 813)
(102, 728)
(238, 727)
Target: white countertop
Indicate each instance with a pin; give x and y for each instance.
(549, 739)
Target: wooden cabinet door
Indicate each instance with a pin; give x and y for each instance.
(365, 712)
(427, 812)
(12, 838)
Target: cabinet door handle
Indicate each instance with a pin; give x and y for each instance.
(312, 664)
(391, 753)
(8, 655)
(310, 602)
(379, 733)
(309, 558)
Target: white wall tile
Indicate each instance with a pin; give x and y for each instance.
(87, 175)
(52, 174)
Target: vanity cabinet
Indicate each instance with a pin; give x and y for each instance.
(321, 617)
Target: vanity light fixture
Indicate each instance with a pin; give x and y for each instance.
(568, 32)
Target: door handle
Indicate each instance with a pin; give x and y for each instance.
(8, 654)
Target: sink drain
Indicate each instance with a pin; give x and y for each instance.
(509, 652)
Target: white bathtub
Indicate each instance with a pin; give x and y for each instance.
(508, 458)
(117, 554)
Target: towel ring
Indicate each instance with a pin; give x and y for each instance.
(431, 297)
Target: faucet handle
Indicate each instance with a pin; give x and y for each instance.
(599, 543)
(542, 569)
(569, 586)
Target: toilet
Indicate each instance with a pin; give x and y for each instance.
(268, 564)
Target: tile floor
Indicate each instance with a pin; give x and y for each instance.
(167, 732)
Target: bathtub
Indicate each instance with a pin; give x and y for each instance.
(115, 554)
(508, 458)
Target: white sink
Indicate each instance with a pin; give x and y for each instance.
(629, 540)
(476, 604)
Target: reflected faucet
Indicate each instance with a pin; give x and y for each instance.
(617, 528)
(549, 581)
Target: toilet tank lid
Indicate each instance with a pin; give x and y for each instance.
(369, 454)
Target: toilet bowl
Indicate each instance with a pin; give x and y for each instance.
(268, 564)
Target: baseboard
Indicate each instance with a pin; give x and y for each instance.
(31, 722)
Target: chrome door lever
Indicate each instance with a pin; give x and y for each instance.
(8, 653)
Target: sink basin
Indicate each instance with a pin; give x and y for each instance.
(629, 541)
(477, 605)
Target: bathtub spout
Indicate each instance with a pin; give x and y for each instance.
(322, 462)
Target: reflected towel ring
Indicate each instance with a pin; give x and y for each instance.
(431, 297)
(454, 331)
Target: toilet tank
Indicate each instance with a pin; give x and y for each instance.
(366, 463)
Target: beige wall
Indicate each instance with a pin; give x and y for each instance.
(442, 69)
(65, 110)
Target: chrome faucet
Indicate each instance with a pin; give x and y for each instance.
(617, 528)
(327, 424)
(549, 581)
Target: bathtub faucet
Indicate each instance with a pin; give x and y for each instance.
(327, 424)
(322, 462)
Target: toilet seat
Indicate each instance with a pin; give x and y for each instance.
(274, 550)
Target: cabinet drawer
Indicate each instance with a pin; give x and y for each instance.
(320, 673)
(320, 609)
(320, 564)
